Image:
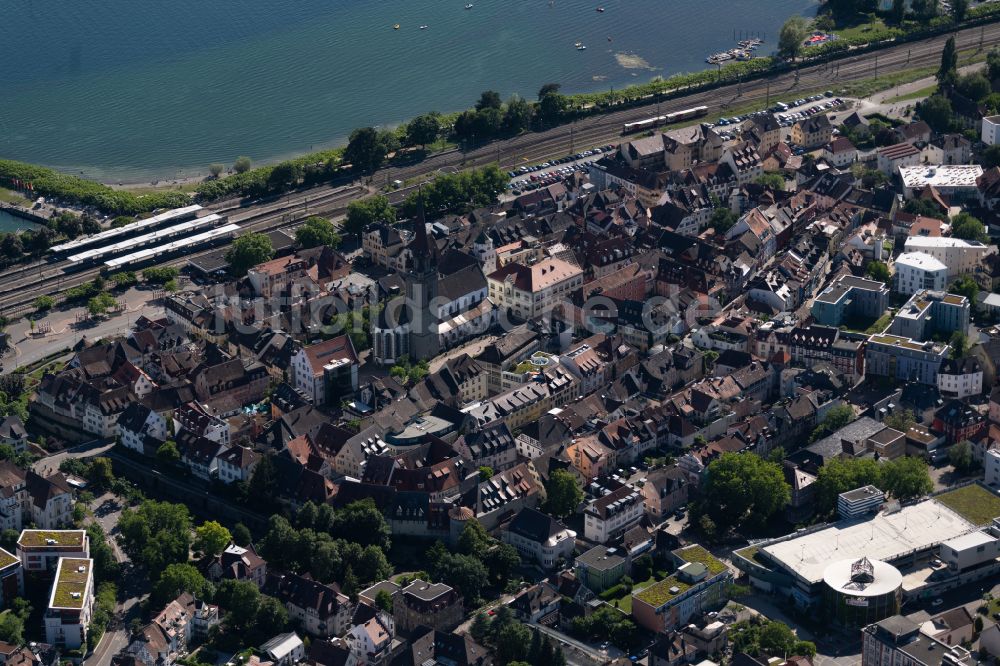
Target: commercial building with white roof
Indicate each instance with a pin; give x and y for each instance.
(919, 270)
(957, 181)
(796, 564)
(960, 256)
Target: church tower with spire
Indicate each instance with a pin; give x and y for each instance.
(421, 289)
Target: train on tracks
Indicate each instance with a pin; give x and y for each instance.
(668, 119)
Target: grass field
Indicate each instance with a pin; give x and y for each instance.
(916, 94)
(974, 503)
(13, 197)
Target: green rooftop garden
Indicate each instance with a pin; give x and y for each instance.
(974, 503)
(41, 537)
(659, 594)
(71, 584)
(698, 554)
(6, 559)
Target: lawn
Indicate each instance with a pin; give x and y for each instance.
(916, 94)
(624, 601)
(13, 197)
(974, 503)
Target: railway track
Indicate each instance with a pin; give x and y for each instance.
(56, 278)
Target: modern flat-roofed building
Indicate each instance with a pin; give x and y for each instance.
(960, 256)
(40, 550)
(860, 501)
(991, 130)
(433, 605)
(71, 603)
(919, 270)
(930, 313)
(11, 578)
(904, 359)
(850, 296)
(956, 181)
(699, 584)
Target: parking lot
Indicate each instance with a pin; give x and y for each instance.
(528, 178)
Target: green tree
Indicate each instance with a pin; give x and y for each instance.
(959, 345)
(316, 231)
(156, 534)
(961, 458)
(263, 486)
(362, 523)
(562, 493)
(216, 169)
(548, 89)
(247, 251)
(793, 34)
(100, 304)
(211, 538)
(836, 418)
(485, 472)
(552, 107)
(517, 115)
(11, 246)
(993, 63)
(774, 181)
(363, 212)
(242, 164)
(967, 227)
(722, 220)
(271, 617)
(100, 474)
(744, 489)
(480, 627)
(966, 286)
(959, 8)
(878, 270)
(176, 579)
(284, 176)
(367, 148)
(948, 71)
(383, 601)
(937, 112)
(11, 628)
(512, 643)
(991, 157)
(241, 535)
(898, 11)
(901, 420)
(973, 85)
(240, 599)
(501, 560)
(907, 477)
(160, 275)
(424, 129)
(839, 475)
(489, 99)
(350, 586)
(776, 638)
(167, 453)
(44, 302)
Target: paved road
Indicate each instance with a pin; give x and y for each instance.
(50, 464)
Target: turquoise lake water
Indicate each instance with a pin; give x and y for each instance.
(9, 222)
(127, 89)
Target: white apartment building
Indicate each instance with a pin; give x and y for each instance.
(614, 514)
(991, 467)
(959, 256)
(528, 291)
(71, 603)
(991, 130)
(918, 270)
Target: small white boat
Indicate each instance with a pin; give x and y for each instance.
(423, 27)
(578, 44)
(469, 6)
(581, 47)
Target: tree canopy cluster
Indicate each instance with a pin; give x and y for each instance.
(741, 489)
(769, 638)
(347, 546)
(513, 643)
(316, 231)
(478, 561)
(457, 192)
(363, 212)
(903, 478)
(247, 251)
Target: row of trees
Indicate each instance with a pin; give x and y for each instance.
(904, 478)
(457, 192)
(513, 643)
